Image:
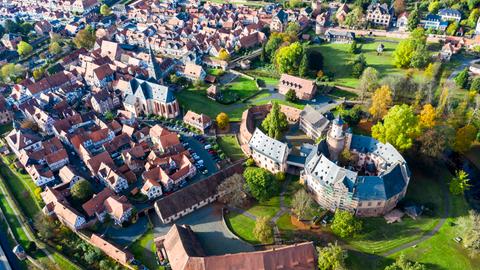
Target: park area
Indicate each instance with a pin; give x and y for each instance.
(337, 58)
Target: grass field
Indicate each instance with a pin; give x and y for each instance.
(230, 147)
(242, 226)
(336, 59)
(22, 187)
(266, 209)
(243, 87)
(144, 250)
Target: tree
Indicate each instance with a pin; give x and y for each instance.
(260, 183)
(469, 230)
(345, 225)
(401, 263)
(461, 80)
(275, 122)
(11, 26)
(23, 48)
(222, 120)
(54, 48)
(381, 100)
(232, 191)
(359, 64)
(399, 128)
(263, 230)
(38, 73)
(331, 257)
(81, 190)
(399, 6)
(368, 81)
(433, 70)
(302, 204)
(109, 116)
(473, 17)
(475, 86)
(420, 57)
(413, 19)
(464, 138)
(427, 116)
(354, 17)
(353, 47)
(412, 52)
(273, 43)
(223, 55)
(303, 67)
(85, 38)
(291, 96)
(433, 141)
(452, 28)
(293, 27)
(433, 7)
(402, 56)
(105, 10)
(459, 183)
(45, 226)
(288, 58)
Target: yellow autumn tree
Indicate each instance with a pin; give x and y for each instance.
(223, 55)
(381, 100)
(442, 102)
(222, 120)
(428, 116)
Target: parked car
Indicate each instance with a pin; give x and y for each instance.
(207, 147)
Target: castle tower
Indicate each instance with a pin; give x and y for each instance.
(336, 138)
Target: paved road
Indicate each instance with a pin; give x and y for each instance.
(4, 264)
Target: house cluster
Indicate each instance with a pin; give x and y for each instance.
(46, 9)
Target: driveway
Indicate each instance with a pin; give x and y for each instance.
(124, 236)
(213, 235)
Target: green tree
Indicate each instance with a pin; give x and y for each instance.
(303, 67)
(353, 47)
(275, 122)
(464, 138)
(302, 204)
(399, 128)
(11, 26)
(354, 17)
(401, 263)
(11, 71)
(462, 78)
(272, 45)
(54, 48)
(433, 7)
(263, 230)
(26, 28)
(23, 48)
(475, 86)
(412, 49)
(291, 96)
(402, 56)
(368, 81)
(105, 10)
(38, 73)
(459, 183)
(452, 28)
(293, 27)
(81, 190)
(359, 64)
(331, 257)
(473, 17)
(345, 225)
(45, 226)
(413, 19)
(420, 57)
(85, 38)
(109, 116)
(469, 230)
(288, 58)
(260, 183)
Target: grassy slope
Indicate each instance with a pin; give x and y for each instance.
(242, 226)
(230, 146)
(142, 250)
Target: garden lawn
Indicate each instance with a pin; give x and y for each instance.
(243, 87)
(197, 101)
(230, 147)
(377, 236)
(441, 251)
(336, 60)
(266, 209)
(144, 250)
(22, 187)
(242, 226)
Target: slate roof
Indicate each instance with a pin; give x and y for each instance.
(274, 149)
(382, 187)
(151, 90)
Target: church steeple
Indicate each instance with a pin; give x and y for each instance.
(153, 67)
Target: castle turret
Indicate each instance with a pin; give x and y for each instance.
(336, 138)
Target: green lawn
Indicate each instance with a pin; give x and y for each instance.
(5, 128)
(242, 226)
(144, 250)
(266, 209)
(230, 146)
(336, 59)
(243, 87)
(377, 236)
(215, 71)
(22, 188)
